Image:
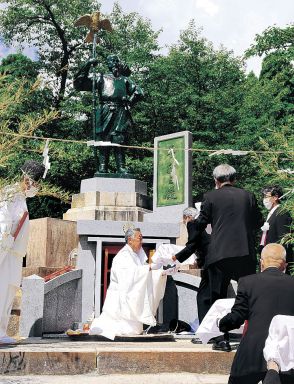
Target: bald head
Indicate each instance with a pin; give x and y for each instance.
(273, 255)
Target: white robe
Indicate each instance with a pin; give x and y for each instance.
(279, 345)
(132, 297)
(12, 252)
(209, 327)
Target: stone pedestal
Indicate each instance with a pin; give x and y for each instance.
(110, 199)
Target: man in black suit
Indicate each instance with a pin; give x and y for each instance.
(259, 298)
(234, 217)
(197, 241)
(278, 221)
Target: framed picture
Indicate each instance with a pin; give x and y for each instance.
(171, 172)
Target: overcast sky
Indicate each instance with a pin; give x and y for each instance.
(233, 23)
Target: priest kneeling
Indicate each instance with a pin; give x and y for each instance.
(134, 292)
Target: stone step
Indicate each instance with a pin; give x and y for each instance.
(35, 356)
(161, 378)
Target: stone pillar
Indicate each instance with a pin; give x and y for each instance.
(87, 262)
(32, 307)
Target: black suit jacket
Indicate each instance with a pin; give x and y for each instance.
(259, 298)
(279, 223)
(197, 242)
(234, 216)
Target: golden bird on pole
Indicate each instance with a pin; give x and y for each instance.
(94, 23)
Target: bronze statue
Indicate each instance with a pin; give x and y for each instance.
(116, 94)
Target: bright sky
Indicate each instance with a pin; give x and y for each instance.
(232, 23)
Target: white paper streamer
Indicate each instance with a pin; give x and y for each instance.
(46, 161)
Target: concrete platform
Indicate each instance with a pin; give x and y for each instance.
(36, 356)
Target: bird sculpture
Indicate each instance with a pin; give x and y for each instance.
(94, 23)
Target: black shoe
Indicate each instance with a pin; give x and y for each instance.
(222, 346)
(195, 340)
(215, 340)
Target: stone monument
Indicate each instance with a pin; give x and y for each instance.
(104, 205)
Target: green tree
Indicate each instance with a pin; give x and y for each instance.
(23, 104)
(19, 69)
(273, 39)
(267, 107)
(195, 88)
(47, 25)
(13, 145)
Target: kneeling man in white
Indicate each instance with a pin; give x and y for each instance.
(134, 293)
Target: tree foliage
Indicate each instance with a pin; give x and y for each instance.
(48, 26)
(22, 114)
(273, 39)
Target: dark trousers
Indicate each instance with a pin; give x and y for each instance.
(255, 378)
(216, 279)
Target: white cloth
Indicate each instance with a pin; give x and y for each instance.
(11, 253)
(163, 255)
(279, 345)
(209, 327)
(132, 297)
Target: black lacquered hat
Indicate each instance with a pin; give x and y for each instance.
(33, 169)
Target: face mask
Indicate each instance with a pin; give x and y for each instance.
(267, 203)
(32, 189)
(31, 192)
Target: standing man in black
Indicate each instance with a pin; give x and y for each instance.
(198, 242)
(259, 298)
(234, 217)
(278, 221)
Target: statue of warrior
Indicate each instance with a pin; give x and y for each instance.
(116, 94)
